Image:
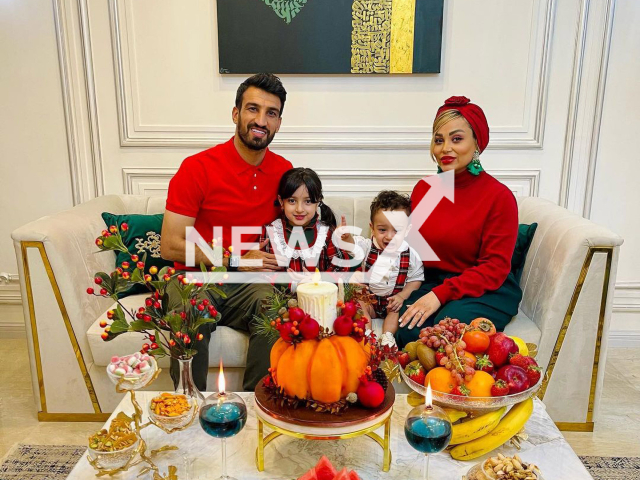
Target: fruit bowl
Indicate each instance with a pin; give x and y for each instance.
(472, 405)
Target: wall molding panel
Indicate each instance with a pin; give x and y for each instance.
(79, 98)
(134, 133)
(591, 60)
(155, 181)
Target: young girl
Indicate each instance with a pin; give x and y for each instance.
(302, 234)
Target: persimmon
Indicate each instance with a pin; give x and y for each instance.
(484, 325)
(477, 341)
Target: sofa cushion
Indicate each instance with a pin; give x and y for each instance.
(226, 343)
(142, 237)
(523, 327)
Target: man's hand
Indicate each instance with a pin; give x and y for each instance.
(269, 261)
(395, 303)
(418, 313)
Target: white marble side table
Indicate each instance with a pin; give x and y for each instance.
(288, 458)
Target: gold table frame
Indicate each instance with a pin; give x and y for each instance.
(369, 432)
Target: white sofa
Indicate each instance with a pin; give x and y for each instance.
(567, 282)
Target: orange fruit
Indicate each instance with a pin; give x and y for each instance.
(440, 379)
(472, 357)
(480, 385)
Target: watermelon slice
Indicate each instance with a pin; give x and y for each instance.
(342, 475)
(353, 475)
(325, 470)
(310, 475)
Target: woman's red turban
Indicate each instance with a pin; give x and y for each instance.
(473, 114)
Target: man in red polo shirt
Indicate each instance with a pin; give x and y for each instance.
(232, 184)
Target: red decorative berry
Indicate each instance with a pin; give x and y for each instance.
(104, 336)
(103, 291)
(124, 227)
(172, 343)
(103, 323)
(104, 233)
(152, 338)
(201, 307)
(205, 302)
(90, 291)
(186, 339)
(140, 265)
(126, 275)
(183, 315)
(148, 278)
(212, 311)
(110, 314)
(171, 271)
(148, 302)
(154, 346)
(113, 229)
(134, 258)
(146, 347)
(146, 318)
(99, 242)
(166, 277)
(119, 270)
(200, 336)
(98, 281)
(156, 305)
(126, 265)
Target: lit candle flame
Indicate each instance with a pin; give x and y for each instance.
(316, 277)
(428, 400)
(221, 383)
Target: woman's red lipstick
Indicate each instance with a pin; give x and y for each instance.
(446, 160)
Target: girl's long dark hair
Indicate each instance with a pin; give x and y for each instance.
(294, 179)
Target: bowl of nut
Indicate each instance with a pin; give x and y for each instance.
(172, 411)
(501, 467)
(114, 448)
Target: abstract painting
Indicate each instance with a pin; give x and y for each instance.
(330, 36)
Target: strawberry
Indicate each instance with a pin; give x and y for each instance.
(440, 354)
(403, 359)
(416, 372)
(534, 374)
(461, 390)
(500, 388)
(484, 364)
(522, 361)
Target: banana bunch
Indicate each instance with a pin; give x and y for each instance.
(484, 434)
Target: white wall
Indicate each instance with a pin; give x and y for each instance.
(141, 91)
(34, 165)
(616, 194)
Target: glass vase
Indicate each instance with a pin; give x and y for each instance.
(186, 386)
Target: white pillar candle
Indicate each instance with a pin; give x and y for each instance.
(319, 299)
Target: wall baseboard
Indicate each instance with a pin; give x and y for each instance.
(624, 338)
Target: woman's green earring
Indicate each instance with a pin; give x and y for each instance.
(439, 169)
(474, 166)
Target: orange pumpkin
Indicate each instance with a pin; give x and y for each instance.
(325, 370)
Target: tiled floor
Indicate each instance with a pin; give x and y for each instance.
(617, 431)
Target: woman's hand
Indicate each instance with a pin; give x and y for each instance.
(417, 313)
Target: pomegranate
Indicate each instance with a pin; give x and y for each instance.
(370, 394)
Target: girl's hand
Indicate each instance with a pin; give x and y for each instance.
(395, 303)
(418, 313)
(346, 237)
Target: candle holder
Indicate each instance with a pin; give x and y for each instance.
(428, 430)
(223, 415)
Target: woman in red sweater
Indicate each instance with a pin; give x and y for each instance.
(473, 237)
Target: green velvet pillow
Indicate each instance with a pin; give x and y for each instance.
(142, 236)
(525, 236)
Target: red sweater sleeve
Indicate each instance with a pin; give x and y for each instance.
(499, 235)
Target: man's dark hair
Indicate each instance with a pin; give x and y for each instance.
(264, 81)
(390, 200)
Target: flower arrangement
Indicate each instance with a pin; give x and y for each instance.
(170, 327)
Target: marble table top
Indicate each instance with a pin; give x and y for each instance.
(287, 458)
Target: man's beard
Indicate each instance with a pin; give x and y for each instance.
(254, 143)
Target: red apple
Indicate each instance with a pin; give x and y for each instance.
(343, 325)
(349, 309)
(516, 377)
(500, 348)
